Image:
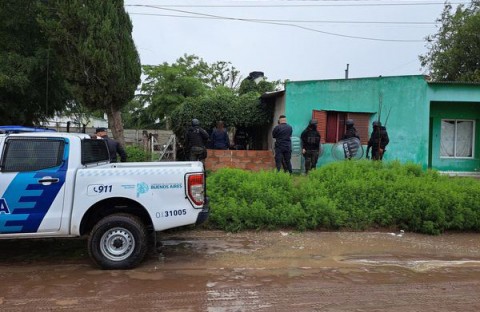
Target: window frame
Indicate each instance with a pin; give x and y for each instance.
(101, 152)
(6, 157)
(362, 121)
(473, 121)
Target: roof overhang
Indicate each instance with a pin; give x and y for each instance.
(273, 94)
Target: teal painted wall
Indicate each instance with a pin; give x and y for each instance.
(408, 123)
(452, 92)
(454, 110)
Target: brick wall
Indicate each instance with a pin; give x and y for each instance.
(249, 160)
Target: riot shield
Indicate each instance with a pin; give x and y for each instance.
(347, 149)
(321, 150)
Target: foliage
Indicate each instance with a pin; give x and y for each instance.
(454, 51)
(167, 86)
(190, 88)
(219, 104)
(137, 154)
(32, 86)
(135, 116)
(93, 42)
(249, 85)
(223, 74)
(353, 195)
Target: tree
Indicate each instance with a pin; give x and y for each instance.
(220, 104)
(32, 85)
(167, 86)
(454, 52)
(223, 74)
(135, 116)
(249, 85)
(93, 40)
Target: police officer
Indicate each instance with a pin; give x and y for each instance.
(114, 147)
(378, 141)
(219, 138)
(282, 134)
(350, 132)
(310, 145)
(241, 139)
(196, 140)
(350, 148)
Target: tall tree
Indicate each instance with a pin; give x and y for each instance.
(32, 87)
(454, 52)
(167, 86)
(222, 73)
(95, 45)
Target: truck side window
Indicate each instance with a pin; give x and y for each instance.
(94, 151)
(32, 154)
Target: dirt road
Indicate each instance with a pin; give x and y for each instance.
(264, 271)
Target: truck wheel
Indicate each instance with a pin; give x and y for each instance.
(118, 241)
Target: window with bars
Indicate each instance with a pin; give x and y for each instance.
(331, 124)
(457, 138)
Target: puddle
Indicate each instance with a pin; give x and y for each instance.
(416, 265)
(211, 247)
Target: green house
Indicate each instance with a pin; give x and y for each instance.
(434, 124)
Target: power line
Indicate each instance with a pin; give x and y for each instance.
(291, 21)
(303, 5)
(275, 23)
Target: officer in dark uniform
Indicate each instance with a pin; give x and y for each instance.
(350, 147)
(282, 134)
(114, 147)
(241, 139)
(378, 141)
(196, 140)
(350, 132)
(310, 145)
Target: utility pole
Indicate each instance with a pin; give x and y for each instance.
(346, 71)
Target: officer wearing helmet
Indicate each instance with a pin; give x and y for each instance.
(310, 138)
(351, 140)
(378, 141)
(196, 140)
(350, 131)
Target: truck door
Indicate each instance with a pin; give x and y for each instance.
(32, 178)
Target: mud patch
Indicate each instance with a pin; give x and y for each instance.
(417, 265)
(252, 271)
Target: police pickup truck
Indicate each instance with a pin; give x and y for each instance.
(56, 184)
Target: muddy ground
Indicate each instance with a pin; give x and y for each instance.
(252, 271)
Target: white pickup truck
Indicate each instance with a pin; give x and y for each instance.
(62, 185)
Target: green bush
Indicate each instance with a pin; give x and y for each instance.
(352, 195)
(137, 154)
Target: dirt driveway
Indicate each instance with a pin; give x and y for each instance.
(253, 271)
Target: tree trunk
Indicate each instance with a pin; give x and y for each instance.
(116, 125)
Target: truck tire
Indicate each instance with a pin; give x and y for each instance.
(118, 242)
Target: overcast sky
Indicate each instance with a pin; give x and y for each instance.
(296, 40)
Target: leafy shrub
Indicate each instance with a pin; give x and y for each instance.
(136, 154)
(353, 195)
